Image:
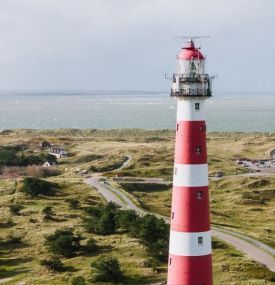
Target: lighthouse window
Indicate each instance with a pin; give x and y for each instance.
(177, 127)
(170, 261)
(200, 240)
(176, 170)
(199, 194)
(173, 215)
(197, 106)
(198, 149)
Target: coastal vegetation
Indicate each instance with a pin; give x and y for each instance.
(58, 230)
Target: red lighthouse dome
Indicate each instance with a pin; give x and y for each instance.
(190, 52)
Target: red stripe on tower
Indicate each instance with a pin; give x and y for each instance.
(190, 261)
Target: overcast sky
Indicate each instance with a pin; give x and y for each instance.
(129, 44)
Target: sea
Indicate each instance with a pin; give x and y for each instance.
(241, 112)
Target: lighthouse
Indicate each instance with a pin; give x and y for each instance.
(190, 258)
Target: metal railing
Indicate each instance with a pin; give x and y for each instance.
(191, 92)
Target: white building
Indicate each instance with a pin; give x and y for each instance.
(58, 152)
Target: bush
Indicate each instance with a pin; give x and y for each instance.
(152, 232)
(7, 157)
(53, 264)
(151, 229)
(48, 212)
(102, 221)
(34, 186)
(63, 242)
(126, 219)
(106, 269)
(79, 280)
(16, 208)
(91, 246)
(73, 203)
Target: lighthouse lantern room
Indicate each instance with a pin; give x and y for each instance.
(190, 261)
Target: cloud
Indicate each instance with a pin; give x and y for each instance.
(106, 44)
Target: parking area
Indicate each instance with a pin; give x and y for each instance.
(267, 166)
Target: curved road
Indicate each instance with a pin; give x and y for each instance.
(254, 249)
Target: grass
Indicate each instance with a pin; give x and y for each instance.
(240, 203)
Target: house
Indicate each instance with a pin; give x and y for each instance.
(272, 154)
(48, 164)
(45, 145)
(58, 152)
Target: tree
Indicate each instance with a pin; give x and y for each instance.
(53, 264)
(151, 229)
(101, 222)
(34, 186)
(159, 249)
(106, 269)
(63, 242)
(91, 246)
(126, 219)
(8, 157)
(106, 224)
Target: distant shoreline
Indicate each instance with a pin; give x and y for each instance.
(130, 131)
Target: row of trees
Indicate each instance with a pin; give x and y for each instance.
(34, 187)
(9, 157)
(66, 243)
(152, 232)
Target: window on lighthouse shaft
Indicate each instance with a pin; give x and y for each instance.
(200, 240)
(198, 149)
(197, 106)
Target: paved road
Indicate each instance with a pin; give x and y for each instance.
(251, 247)
(251, 250)
(254, 174)
(126, 162)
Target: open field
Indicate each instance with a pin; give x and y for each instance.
(242, 203)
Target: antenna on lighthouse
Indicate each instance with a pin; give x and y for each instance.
(192, 37)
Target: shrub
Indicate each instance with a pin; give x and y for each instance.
(91, 246)
(48, 212)
(53, 264)
(105, 225)
(126, 219)
(63, 242)
(73, 203)
(102, 221)
(15, 209)
(151, 229)
(106, 269)
(79, 280)
(7, 157)
(34, 186)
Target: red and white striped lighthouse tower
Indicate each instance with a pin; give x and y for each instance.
(190, 261)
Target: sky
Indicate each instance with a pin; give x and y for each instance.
(131, 44)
